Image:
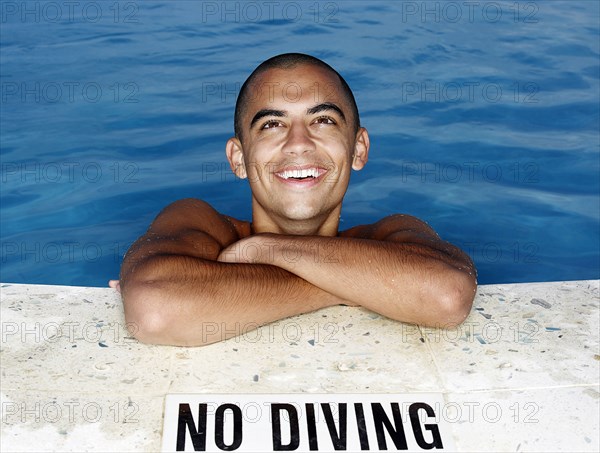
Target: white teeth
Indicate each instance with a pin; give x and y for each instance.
(305, 173)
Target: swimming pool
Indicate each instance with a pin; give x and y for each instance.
(483, 117)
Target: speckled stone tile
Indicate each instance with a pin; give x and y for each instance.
(339, 349)
(67, 347)
(65, 338)
(522, 336)
(71, 422)
(542, 420)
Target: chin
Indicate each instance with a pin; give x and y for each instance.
(300, 212)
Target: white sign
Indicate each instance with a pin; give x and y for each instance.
(305, 423)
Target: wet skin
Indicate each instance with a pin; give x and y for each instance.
(195, 267)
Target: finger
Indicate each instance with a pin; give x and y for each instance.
(228, 255)
(115, 284)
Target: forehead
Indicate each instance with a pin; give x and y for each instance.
(304, 83)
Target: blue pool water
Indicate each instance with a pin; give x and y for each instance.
(484, 120)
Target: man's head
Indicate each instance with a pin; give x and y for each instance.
(297, 139)
(287, 61)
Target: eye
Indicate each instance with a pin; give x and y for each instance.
(270, 124)
(325, 120)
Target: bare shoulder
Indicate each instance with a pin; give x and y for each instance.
(192, 214)
(390, 227)
(187, 227)
(407, 229)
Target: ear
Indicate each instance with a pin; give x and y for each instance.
(235, 156)
(361, 149)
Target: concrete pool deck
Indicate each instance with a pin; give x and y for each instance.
(521, 374)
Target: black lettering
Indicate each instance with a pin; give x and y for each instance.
(276, 427)
(311, 424)
(413, 412)
(338, 441)
(396, 431)
(186, 420)
(220, 427)
(362, 427)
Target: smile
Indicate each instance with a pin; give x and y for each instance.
(303, 176)
(304, 173)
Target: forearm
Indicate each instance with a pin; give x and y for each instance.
(182, 300)
(410, 282)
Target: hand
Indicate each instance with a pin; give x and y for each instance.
(115, 284)
(252, 250)
(270, 249)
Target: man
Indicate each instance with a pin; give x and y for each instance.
(297, 137)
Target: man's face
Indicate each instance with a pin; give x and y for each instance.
(298, 147)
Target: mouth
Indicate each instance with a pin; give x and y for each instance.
(300, 174)
(303, 176)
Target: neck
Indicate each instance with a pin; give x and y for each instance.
(326, 225)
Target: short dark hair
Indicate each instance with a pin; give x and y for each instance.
(288, 61)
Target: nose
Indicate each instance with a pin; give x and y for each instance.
(298, 140)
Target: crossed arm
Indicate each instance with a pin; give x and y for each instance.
(193, 278)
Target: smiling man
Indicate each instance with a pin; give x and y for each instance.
(198, 276)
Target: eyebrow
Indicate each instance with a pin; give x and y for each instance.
(266, 112)
(323, 107)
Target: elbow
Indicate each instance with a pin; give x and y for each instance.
(455, 299)
(145, 319)
(156, 310)
(141, 304)
(146, 300)
(146, 295)
(153, 315)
